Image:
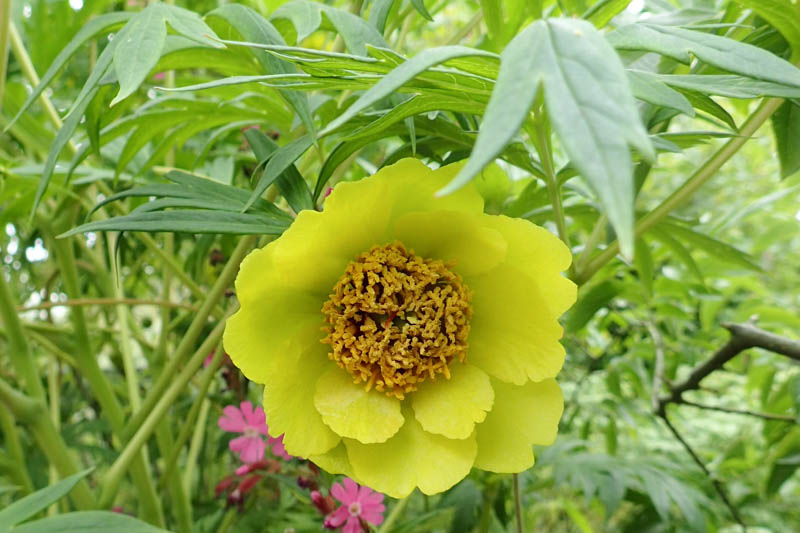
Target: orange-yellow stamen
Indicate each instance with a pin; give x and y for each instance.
(395, 319)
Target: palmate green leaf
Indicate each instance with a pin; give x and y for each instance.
(189, 221)
(281, 160)
(721, 52)
(290, 182)
(88, 522)
(588, 101)
(95, 27)
(783, 15)
(400, 76)
(657, 92)
(138, 49)
(31, 504)
(786, 126)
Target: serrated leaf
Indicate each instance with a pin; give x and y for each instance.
(96, 26)
(401, 75)
(138, 50)
(589, 104)
(656, 92)
(786, 127)
(31, 504)
(721, 52)
(88, 522)
(290, 182)
(189, 221)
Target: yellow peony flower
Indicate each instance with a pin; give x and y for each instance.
(402, 338)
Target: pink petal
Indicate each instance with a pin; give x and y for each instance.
(373, 516)
(353, 525)
(254, 450)
(338, 492)
(259, 418)
(232, 420)
(278, 450)
(338, 517)
(372, 498)
(239, 443)
(351, 487)
(247, 411)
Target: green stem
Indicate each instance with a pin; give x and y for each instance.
(14, 446)
(131, 379)
(33, 413)
(5, 24)
(114, 475)
(394, 516)
(689, 187)
(591, 243)
(182, 507)
(184, 348)
(18, 347)
(227, 521)
(541, 139)
(196, 444)
(26, 65)
(186, 429)
(518, 505)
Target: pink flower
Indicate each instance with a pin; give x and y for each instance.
(159, 75)
(358, 504)
(251, 424)
(276, 446)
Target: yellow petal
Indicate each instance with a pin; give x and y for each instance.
(353, 412)
(334, 461)
(412, 458)
(452, 236)
(541, 255)
(289, 403)
(513, 334)
(451, 407)
(313, 253)
(521, 417)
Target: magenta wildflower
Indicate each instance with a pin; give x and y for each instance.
(251, 424)
(359, 504)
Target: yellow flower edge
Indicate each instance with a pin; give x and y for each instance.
(495, 405)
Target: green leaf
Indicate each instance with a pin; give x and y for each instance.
(680, 251)
(786, 126)
(721, 52)
(290, 182)
(33, 503)
(710, 245)
(492, 16)
(189, 221)
(590, 302)
(731, 85)
(419, 5)
(589, 104)
(656, 92)
(88, 522)
(378, 14)
(706, 104)
(138, 50)
(280, 161)
(783, 15)
(304, 16)
(603, 11)
(190, 25)
(400, 76)
(95, 27)
(643, 260)
(62, 139)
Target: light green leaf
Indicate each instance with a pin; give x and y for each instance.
(710, 245)
(401, 75)
(783, 15)
(305, 16)
(33, 503)
(588, 101)
(378, 13)
(88, 522)
(732, 86)
(290, 182)
(189, 221)
(603, 11)
(138, 49)
(190, 25)
(786, 126)
(280, 161)
(419, 5)
(681, 44)
(96, 26)
(656, 92)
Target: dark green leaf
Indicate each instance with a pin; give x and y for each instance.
(783, 15)
(786, 126)
(88, 522)
(419, 5)
(590, 302)
(280, 161)
(710, 245)
(290, 182)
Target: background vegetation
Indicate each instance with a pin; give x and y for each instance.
(660, 138)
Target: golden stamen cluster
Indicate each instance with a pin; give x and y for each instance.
(395, 319)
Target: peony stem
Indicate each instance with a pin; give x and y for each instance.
(518, 505)
(397, 510)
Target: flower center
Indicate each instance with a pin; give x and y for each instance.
(395, 319)
(354, 509)
(250, 431)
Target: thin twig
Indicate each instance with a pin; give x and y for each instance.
(766, 416)
(77, 302)
(658, 372)
(716, 483)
